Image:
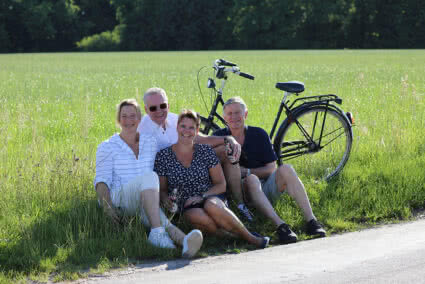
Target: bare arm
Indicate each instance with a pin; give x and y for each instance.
(218, 181)
(215, 141)
(261, 172)
(105, 200)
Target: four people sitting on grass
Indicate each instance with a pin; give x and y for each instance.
(127, 183)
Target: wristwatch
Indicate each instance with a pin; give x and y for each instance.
(248, 172)
(204, 196)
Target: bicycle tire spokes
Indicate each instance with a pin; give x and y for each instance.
(321, 145)
(302, 148)
(342, 133)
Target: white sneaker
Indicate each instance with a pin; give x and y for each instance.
(192, 242)
(159, 238)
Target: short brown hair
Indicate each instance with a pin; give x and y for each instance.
(188, 113)
(128, 102)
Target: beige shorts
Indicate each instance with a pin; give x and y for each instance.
(269, 188)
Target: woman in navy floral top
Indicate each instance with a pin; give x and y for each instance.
(195, 171)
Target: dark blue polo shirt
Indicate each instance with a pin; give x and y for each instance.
(257, 150)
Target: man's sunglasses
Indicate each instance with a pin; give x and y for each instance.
(155, 108)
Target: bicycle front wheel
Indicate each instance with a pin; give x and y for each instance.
(207, 127)
(326, 154)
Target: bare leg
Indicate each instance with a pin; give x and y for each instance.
(225, 219)
(149, 199)
(175, 234)
(256, 196)
(287, 179)
(199, 219)
(232, 173)
(191, 242)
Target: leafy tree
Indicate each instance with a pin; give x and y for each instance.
(95, 16)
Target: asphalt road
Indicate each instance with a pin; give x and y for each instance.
(387, 254)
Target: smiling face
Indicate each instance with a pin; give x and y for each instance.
(129, 119)
(187, 130)
(156, 106)
(235, 115)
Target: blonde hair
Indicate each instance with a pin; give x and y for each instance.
(128, 102)
(188, 113)
(236, 100)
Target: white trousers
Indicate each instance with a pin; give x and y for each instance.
(130, 197)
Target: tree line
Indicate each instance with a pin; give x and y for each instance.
(91, 25)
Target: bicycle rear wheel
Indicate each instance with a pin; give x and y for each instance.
(207, 127)
(321, 159)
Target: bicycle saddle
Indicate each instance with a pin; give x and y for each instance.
(291, 86)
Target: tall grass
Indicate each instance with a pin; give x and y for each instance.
(56, 108)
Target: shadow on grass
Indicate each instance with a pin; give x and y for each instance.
(76, 239)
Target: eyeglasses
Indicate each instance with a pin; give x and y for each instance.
(155, 108)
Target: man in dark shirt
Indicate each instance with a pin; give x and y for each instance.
(262, 182)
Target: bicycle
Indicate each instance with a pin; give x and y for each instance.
(315, 133)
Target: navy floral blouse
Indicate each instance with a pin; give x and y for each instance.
(192, 181)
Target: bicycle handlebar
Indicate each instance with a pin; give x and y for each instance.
(222, 62)
(221, 70)
(246, 75)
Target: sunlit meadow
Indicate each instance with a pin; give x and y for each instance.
(56, 108)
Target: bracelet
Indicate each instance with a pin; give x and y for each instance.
(248, 172)
(204, 196)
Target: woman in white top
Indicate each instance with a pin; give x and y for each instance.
(126, 183)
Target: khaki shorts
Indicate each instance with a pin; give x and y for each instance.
(269, 188)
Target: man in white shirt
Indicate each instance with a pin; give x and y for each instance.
(162, 124)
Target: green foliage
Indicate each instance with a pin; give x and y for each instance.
(4, 39)
(105, 41)
(94, 16)
(47, 25)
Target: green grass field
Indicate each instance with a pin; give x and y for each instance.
(56, 108)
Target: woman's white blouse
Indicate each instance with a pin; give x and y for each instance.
(116, 163)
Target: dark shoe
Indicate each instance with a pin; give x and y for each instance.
(314, 228)
(265, 242)
(286, 236)
(245, 213)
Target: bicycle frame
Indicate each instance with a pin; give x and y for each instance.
(218, 100)
(289, 110)
(221, 73)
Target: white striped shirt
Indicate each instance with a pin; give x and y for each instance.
(116, 163)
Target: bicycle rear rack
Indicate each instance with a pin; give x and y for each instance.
(321, 98)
